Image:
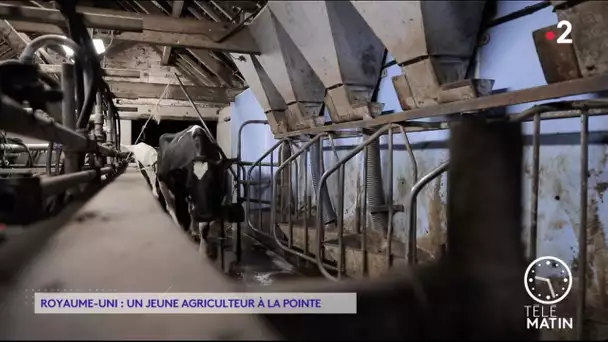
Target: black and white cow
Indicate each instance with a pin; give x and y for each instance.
(192, 177)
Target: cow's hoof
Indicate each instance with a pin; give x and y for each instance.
(211, 251)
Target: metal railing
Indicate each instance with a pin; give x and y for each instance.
(537, 114)
(294, 200)
(259, 183)
(242, 186)
(390, 208)
(411, 205)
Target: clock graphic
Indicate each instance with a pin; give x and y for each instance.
(548, 280)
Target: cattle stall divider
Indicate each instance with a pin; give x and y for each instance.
(390, 208)
(243, 186)
(411, 206)
(293, 200)
(536, 114)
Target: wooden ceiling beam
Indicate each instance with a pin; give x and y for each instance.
(240, 42)
(176, 12)
(137, 90)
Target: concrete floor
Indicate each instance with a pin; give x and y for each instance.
(120, 241)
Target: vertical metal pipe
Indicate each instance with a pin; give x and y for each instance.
(260, 197)
(321, 212)
(364, 270)
(289, 201)
(98, 119)
(236, 234)
(389, 202)
(306, 202)
(316, 171)
(111, 139)
(98, 128)
(340, 198)
(582, 238)
(341, 221)
(535, 184)
(296, 198)
(272, 189)
(68, 112)
(411, 202)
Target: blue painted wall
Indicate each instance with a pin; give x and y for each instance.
(510, 59)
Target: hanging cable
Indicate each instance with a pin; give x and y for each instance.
(151, 116)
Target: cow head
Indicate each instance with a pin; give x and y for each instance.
(208, 187)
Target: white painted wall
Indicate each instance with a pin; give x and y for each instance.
(125, 132)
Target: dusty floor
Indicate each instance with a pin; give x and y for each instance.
(119, 241)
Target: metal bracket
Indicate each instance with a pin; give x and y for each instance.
(384, 209)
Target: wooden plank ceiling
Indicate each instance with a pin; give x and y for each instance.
(205, 68)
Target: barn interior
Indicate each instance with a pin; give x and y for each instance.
(422, 154)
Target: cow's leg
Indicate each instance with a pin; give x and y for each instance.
(193, 229)
(169, 200)
(208, 243)
(182, 212)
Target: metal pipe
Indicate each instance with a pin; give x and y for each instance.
(111, 120)
(283, 154)
(28, 54)
(241, 172)
(240, 135)
(389, 201)
(340, 223)
(289, 198)
(249, 163)
(412, 212)
(68, 116)
(58, 184)
(316, 170)
(412, 207)
(410, 151)
(259, 193)
(200, 116)
(98, 118)
(49, 158)
(340, 216)
(19, 148)
(15, 119)
(248, 192)
(296, 199)
(273, 224)
(322, 183)
(363, 203)
(271, 173)
(582, 237)
(535, 185)
(306, 202)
